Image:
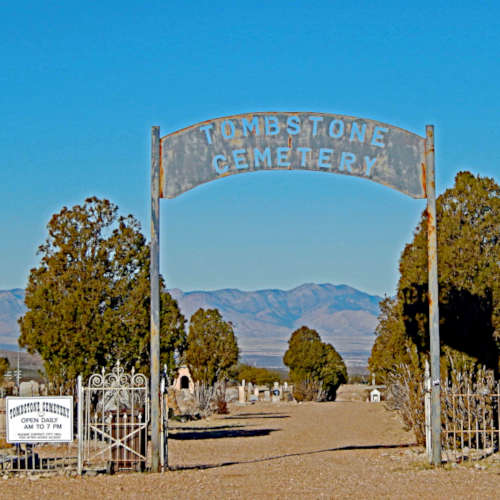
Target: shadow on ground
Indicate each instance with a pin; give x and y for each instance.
(241, 416)
(215, 428)
(217, 434)
(277, 457)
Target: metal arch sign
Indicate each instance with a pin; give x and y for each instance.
(284, 141)
(288, 141)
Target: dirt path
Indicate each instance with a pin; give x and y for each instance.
(313, 450)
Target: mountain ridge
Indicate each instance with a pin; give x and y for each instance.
(263, 319)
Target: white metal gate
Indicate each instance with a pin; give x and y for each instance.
(113, 420)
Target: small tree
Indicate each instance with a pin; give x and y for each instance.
(211, 350)
(211, 346)
(256, 375)
(316, 368)
(333, 373)
(4, 367)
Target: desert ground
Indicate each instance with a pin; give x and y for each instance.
(345, 449)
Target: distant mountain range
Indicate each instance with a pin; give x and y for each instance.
(263, 320)
(11, 308)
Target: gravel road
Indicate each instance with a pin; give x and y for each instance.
(347, 449)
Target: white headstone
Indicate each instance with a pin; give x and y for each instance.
(241, 394)
(375, 396)
(27, 389)
(276, 393)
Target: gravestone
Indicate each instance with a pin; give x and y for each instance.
(276, 393)
(231, 394)
(241, 394)
(375, 396)
(28, 389)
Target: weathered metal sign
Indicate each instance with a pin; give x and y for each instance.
(285, 141)
(39, 419)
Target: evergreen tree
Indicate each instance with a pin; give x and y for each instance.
(89, 299)
(391, 347)
(211, 347)
(468, 229)
(333, 373)
(4, 367)
(316, 368)
(256, 375)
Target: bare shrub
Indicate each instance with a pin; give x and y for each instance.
(470, 405)
(221, 405)
(204, 395)
(405, 393)
(470, 399)
(210, 398)
(308, 390)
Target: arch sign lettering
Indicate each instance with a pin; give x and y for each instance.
(320, 142)
(288, 141)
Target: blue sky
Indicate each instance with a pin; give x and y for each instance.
(81, 84)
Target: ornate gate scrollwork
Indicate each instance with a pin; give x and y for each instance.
(113, 421)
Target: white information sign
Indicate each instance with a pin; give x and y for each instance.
(45, 419)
